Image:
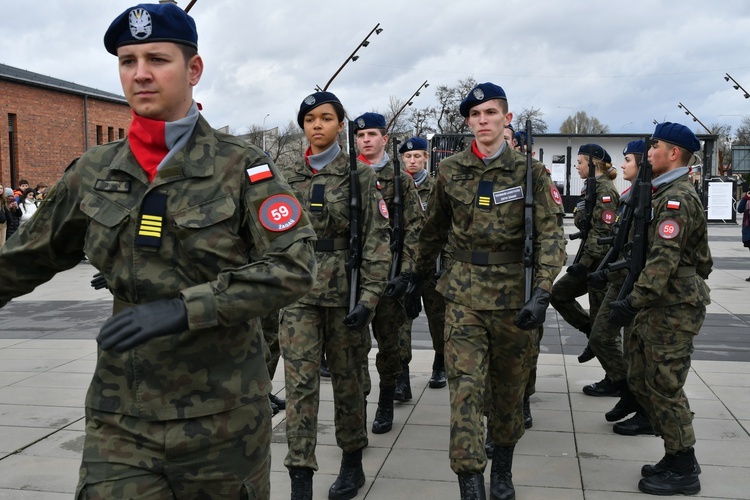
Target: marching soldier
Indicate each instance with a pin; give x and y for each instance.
(196, 235)
(667, 307)
(477, 205)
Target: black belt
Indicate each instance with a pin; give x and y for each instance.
(488, 258)
(331, 244)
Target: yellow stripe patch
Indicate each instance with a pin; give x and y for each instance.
(484, 201)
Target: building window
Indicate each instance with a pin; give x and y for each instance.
(120, 133)
(98, 134)
(13, 148)
(110, 134)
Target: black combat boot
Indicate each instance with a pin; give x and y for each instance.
(489, 445)
(605, 387)
(528, 420)
(472, 486)
(384, 414)
(324, 371)
(625, 406)
(437, 380)
(679, 476)
(302, 483)
(351, 477)
(274, 408)
(587, 354)
(280, 403)
(403, 385)
(635, 425)
(649, 470)
(501, 478)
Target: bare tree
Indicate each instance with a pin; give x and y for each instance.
(742, 136)
(448, 117)
(420, 120)
(538, 125)
(283, 146)
(581, 123)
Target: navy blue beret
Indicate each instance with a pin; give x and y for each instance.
(595, 151)
(369, 120)
(479, 94)
(510, 126)
(635, 148)
(313, 101)
(413, 144)
(151, 22)
(677, 134)
(520, 137)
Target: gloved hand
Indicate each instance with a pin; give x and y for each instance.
(438, 274)
(598, 280)
(413, 297)
(534, 311)
(98, 281)
(357, 319)
(622, 312)
(136, 325)
(397, 286)
(578, 270)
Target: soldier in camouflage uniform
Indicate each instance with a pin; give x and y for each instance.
(181, 221)
(389, 315)
(667, 306)
(477, 205)
(414, 157)
(574, 283)
(322, 184)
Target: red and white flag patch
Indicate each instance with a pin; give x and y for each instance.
(259, 173)
(606, 199)
(669, 229)
(673, 205)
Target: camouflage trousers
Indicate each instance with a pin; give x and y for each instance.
(659, 350)
(271, 350)
(434, 309)
(563, 299)
(537, 341)
(605, 339)
(478, 345)
(221, 456)
(303, 331)
(386, 328)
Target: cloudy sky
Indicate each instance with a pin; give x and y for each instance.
(626, 63)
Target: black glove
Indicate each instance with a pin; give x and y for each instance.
(397, 286)
(578, 270)
(438, 274)
(413, 297)
(622, 312)
(598, 280)
(357, 319)
(534, 311)
(136, 325)
(98, 281)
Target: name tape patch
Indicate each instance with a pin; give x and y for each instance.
(507, 195)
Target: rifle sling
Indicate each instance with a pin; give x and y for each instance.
(488, 258)
(331, 244)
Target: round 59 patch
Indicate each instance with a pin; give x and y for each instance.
(383, 209)
(669, 229)
(608, 216)
(555, 194)
(279, 213)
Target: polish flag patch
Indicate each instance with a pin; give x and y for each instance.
(259, 173)
(673, 205)
(606, 199)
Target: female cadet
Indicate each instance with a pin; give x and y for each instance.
(575, 284)
(322, 184)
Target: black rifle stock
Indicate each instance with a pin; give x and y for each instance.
(355, 223)
(528, 220)
(397, 231)
(588, 210)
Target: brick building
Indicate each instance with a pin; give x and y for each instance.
(45, 123)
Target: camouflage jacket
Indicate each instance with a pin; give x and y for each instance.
(331, 222)
(679, 259)
(455, 217)
(413, 214)
(220, 249)
(602, 221)
(423, 190)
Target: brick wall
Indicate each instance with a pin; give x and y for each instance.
(50, 129)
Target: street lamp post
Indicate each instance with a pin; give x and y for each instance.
(736, 85)
(353, 56)
(695, 118)
(408, 102)
(264, 131)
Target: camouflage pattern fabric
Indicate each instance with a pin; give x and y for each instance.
(535, 347)
(216, 250)
(270, 326)
(209, 456)
(317, 318)
(673, 307)
(563, 299)
(483, 300)
(605, 338)
(304, 330)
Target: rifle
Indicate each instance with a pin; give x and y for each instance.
(641, 220)
(589, 204)
(528, 217)
(355, 223)
(397, 231)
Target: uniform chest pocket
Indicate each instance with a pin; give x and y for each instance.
(334, 219)
(106, 230)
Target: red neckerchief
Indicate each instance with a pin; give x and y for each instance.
(308, 153)
(148, 143)
(476, 151)
(364, 160)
